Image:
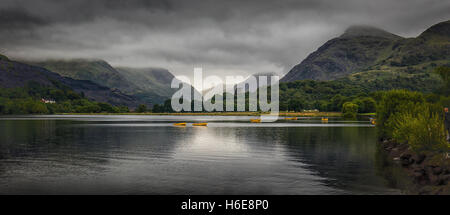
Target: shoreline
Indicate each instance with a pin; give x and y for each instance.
(428, 172)
(290, 114)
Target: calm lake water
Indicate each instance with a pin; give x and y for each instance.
(148, 155)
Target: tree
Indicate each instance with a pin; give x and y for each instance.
(337, 101)
(444, 73)
(365, 105)
(369, 105)
(349, 110)
(39, 107)
(105, 107)
(157, 108)
(168, 106)
(141, 108)
(296, 103)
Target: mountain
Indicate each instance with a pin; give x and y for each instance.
(148, 85)
(152, 85)
(3, 57)
(368, 52)
(97, 71)
(432, 45)
(257, 75)
(17, 74)
(355, 50)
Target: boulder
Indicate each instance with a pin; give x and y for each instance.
(437, 170)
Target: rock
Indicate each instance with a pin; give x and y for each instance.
(435, 180)
(445, 179)
(419, 173)
(426, 190)
(405, 156)
(412, 160)
(405, 162)
(447, 171)
(436, 170)
(419, 158)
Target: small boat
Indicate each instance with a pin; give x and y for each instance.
(200, 124)
(255, 120)
(291, 118)
(324, 119)
(180, 124)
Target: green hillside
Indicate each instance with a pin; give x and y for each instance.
(153, 84)
(23, 86)
(150, 86)
(97, 71)
(3, 57)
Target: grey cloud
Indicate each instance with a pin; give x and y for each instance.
(226, 37)
(14, 18)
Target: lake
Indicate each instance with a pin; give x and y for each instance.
(148, 155)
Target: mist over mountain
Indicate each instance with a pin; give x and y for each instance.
(152, 85)
(148, 85)
(97, 71)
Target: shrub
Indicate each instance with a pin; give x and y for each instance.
(393, 102)
(421, 127)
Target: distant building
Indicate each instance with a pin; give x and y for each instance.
(48, 101)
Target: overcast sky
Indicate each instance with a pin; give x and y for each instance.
(225, 37)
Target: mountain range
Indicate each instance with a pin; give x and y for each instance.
(148, 85)
(366, 52)
(361, 55)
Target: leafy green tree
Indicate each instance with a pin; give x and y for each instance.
(337, 101)
(296, 103)
(168, 106)
(39, 108)
(141, 108)
(365, 105)
(157, 108)
(349, 110)
(123, 109)
(105, 107)
(370, 105)
(444, 73)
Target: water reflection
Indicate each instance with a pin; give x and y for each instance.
(127, 156)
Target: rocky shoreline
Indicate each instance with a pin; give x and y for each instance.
(429, 172)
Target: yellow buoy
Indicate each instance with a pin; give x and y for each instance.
(290, 118)
(200, 124)
(325, 119)
(255, 120)
(373, 121)
(180, 124)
